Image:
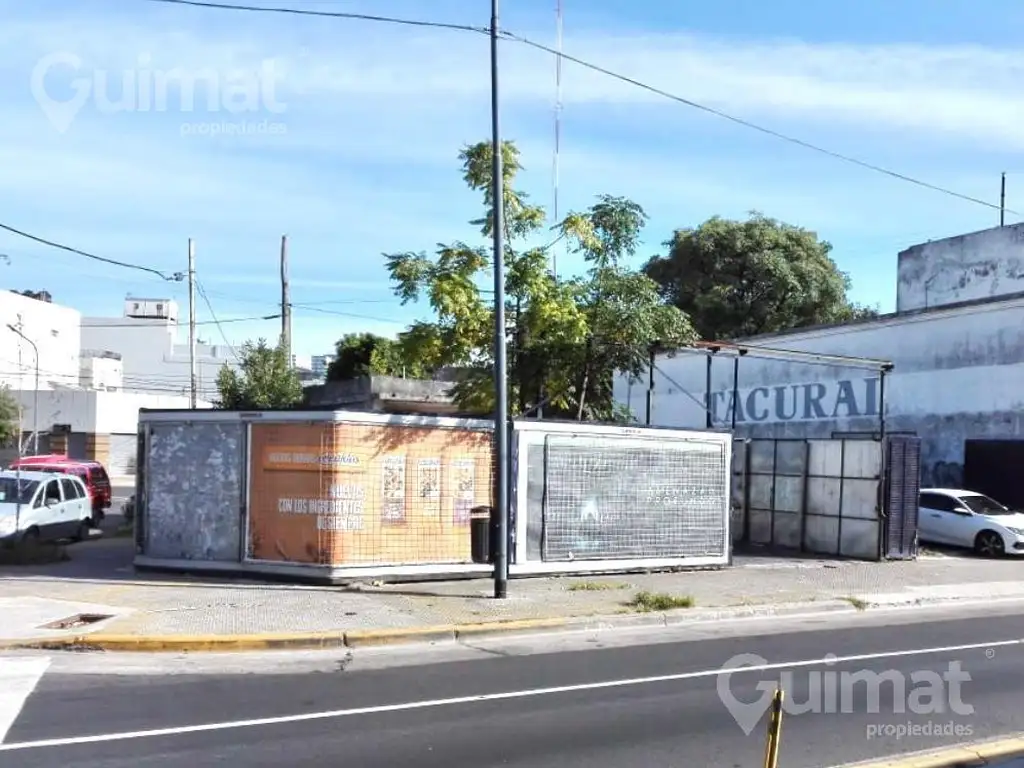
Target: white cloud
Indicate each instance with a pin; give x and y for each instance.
(375, 116)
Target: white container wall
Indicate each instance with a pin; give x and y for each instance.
(601, 498)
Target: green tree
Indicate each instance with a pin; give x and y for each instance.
(567, 338)
(363, 354)
(9, 412)
(743, 278)
(264, 379)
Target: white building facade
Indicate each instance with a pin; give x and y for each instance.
(86, 405)
(152, 357)
(958, 364)
(38, 325)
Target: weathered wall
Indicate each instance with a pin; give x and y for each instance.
(966, 268)
(194, 486)
(958, 375)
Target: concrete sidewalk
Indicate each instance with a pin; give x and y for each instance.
(172, 613)
(1005, 753)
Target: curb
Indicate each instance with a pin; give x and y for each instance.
(364, 638)
(973, 754)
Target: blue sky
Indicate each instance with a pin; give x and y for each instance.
(353, 151)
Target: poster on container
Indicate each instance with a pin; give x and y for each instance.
(305, 487)
(429, 485)
(360, 493)
(463, 489)
(393, 490)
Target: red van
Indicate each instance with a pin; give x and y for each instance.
(92, 473)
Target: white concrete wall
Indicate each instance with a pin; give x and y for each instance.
(93, 412)
(118, 412)
(55, 331)
(959, 374)
(106, 373)
(975, 266)
(152, 357)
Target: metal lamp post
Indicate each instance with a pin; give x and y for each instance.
(35, 394)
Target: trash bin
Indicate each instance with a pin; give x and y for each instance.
(480, 534)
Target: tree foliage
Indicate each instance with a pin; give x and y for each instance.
(365, 354)
(9, 412)
(566, 338)
(264, 379)
(743, 278)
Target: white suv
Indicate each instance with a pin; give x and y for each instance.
(42, 506)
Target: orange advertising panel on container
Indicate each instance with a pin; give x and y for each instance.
(357, 493)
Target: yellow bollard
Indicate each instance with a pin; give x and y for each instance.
(771, 752)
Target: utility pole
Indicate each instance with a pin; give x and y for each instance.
(193, 383)
(500, 365)
(1002, 201)
(286, 304)
(35, 395)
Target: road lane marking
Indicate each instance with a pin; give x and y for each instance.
(18, 678)
(830, 661)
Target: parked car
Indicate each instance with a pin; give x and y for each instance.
(962, 518)
(91, 473)
(43, 506)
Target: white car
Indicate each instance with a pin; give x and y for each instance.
(42, 506)
(961, 518)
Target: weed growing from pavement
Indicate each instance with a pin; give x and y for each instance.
(857, 603)
(646, 602)
(595, 586)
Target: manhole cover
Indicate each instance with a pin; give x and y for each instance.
(78, 620)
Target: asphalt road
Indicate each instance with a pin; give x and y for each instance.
(604, 712)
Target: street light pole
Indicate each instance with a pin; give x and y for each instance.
(500, 365)
(35, 394)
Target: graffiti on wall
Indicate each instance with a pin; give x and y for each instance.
(942, 474)
(813, 401)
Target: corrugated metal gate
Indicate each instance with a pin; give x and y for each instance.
(902, 489)
(123, 452)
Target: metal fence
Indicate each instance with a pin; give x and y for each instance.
(828, 497)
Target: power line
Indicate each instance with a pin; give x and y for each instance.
(327, 14)
(351, 314)
(209, 306)
(200, 322)
(176, 277)
(615, 75)
(751, 125)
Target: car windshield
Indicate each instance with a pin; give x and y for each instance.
(17, 491)
(983, 505)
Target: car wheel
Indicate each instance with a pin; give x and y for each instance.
(989, 544)
(84, 529)
(30, 539)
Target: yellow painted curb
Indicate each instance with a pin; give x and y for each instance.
(184, 643)
(513, 625)
(356, 638)
(979, 753)
(359, 638)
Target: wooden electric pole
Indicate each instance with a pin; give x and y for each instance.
(286, 304)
